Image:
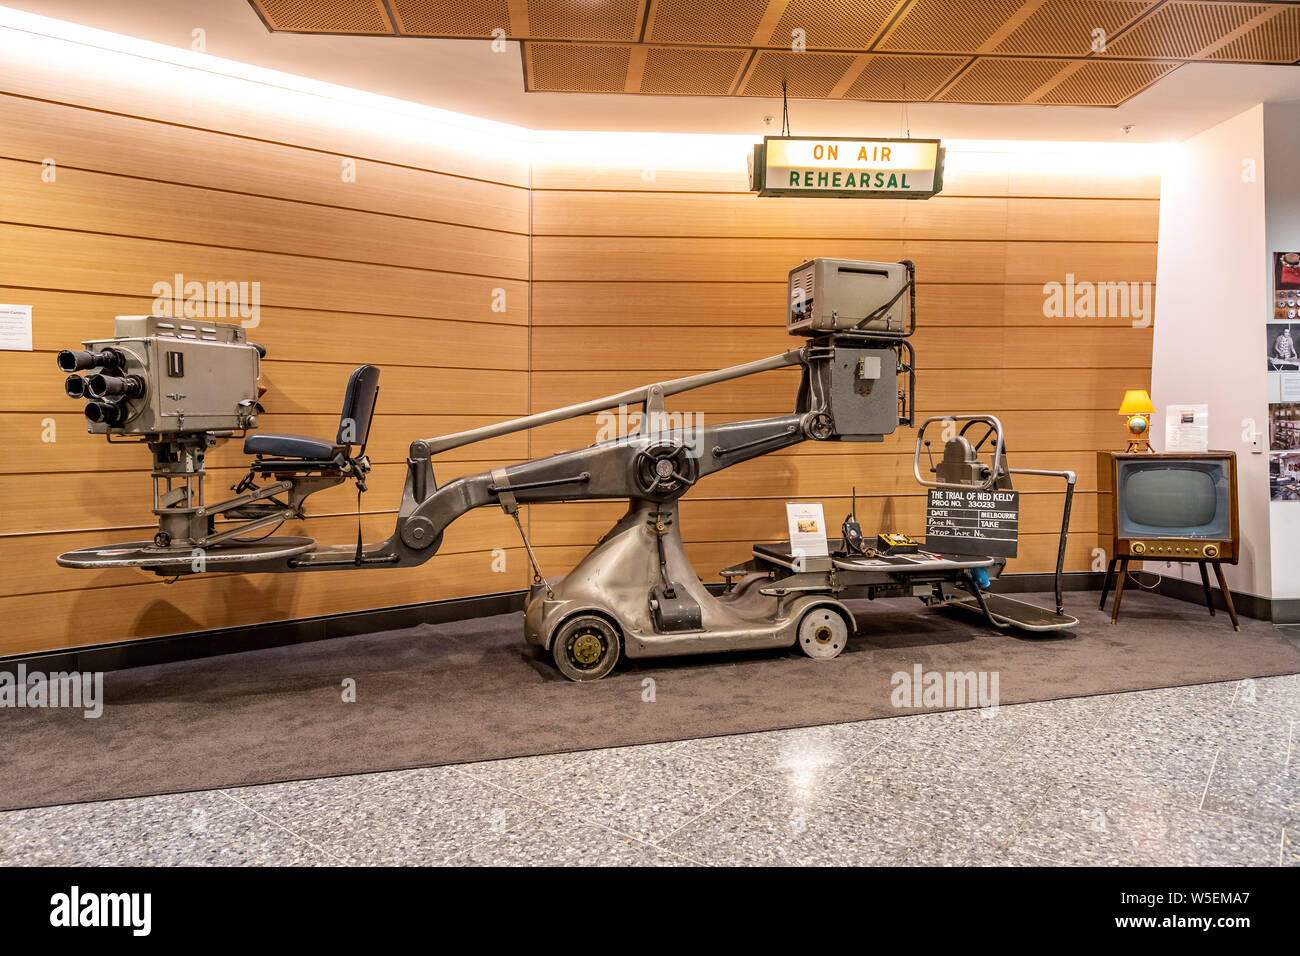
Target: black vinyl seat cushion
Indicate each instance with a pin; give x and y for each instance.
(291, 446)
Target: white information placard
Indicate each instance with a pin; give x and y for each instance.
(16, 328)
(1187, 428)
(807, 529)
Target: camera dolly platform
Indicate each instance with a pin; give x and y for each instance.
(938, 580)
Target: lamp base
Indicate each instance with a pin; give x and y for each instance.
(1137, 445)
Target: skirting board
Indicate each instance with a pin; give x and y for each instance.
(198, 644)
(1247, 605)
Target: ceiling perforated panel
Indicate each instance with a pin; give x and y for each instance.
(948, 26)
(851, 25)
(903, 78)
(326, 16)
(1276, 40)
(578, 67)
(1051, 52)
(690, 21)
(1072, 27)
(1105, 82)
(1003, 80)
(585, 19)
(1181, 29)
(691, 71)
(457, 18)
(809, 75)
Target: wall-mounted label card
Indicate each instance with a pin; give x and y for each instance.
(16, 328)
(1187, 428)
(807, 529)
(1290, 388)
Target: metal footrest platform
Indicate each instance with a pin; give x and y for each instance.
(1018, 614)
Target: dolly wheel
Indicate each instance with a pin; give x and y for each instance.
(586, 648)
(822, 634)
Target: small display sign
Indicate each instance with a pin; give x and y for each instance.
(973, 521)
(807, 529)
(847, 168)
(16, 327)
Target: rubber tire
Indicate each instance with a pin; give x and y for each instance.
(570, 631)
(811, 620)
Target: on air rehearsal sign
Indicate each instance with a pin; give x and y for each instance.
(846, 168)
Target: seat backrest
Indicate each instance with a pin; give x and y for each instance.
(358, 406)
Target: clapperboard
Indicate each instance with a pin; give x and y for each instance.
(973, 521)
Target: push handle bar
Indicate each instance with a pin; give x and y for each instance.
(1070, 479)
(999, 453)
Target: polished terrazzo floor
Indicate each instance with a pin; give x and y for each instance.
(1194, 775)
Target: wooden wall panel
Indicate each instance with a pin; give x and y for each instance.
(650, 270)
(110, 204)
(665, 305)
(956, 261)
(125, 265)
(671, 167)
(36, 130)
(733, 215)
(47, 69)
(413, 256)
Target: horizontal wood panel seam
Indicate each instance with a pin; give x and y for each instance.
(739, 192)
(857, 238)
(280, 308)
(254, 195)
(263, 252)
(259, 139)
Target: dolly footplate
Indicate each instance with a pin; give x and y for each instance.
(1019, 614)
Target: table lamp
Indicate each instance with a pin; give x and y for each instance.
(1137, 408)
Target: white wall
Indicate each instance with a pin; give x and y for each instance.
(1282, 213)
(1212, 296)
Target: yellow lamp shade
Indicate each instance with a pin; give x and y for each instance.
(1136, 402)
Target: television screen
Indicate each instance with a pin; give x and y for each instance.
(1173, 499)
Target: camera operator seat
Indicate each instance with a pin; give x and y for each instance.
(279, 454)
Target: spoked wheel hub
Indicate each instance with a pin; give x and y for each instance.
(586, 648)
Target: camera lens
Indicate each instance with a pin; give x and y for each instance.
(100, 385)
(104, 413)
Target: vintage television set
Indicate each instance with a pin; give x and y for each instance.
(1169, 507)
(1178, 506)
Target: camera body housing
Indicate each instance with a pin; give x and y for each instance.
(163, 377)
(842, 295)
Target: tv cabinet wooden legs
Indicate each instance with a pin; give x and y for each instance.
(1105, 587)
(1227, 595)
(1205, 586)
(1119, 589)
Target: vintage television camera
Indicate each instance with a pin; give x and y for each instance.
(859, 316)
(163, 377)
(845, 295)
(178, 386)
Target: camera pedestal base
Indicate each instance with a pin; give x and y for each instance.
(167, 561)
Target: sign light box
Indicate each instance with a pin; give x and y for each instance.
(846, 168)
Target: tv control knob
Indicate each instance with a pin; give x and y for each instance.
(1211, 551)
(1139, 547)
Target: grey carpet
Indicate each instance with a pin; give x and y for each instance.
(473, 690)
